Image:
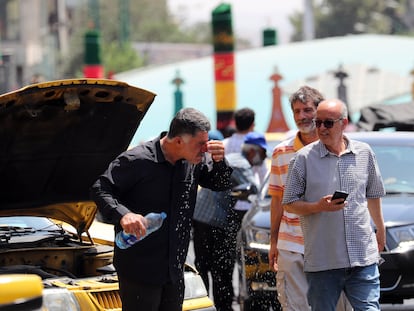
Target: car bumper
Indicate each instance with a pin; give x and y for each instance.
(397, 275)
(257, 278)
(198, 304)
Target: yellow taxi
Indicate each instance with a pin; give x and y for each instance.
(55, 139)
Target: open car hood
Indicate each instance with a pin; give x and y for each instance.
(57, 137)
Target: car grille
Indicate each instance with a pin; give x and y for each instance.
(109, 300)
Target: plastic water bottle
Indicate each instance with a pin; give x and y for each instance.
(154, 222)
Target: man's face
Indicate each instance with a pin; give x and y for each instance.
(193, 147)
(259, 157)
(256, 156)
(303, 115)
(331, 124)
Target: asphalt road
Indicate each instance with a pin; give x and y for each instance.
(408, 304)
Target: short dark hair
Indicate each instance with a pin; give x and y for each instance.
(188, 121)
(305, 94)
(244, 118)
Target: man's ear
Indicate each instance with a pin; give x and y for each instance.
(345, 122)
(178, 140)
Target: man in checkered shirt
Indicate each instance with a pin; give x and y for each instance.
(341, 247)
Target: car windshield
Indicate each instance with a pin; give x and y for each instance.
(27, 222)
(395, 164)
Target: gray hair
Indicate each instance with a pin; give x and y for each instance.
(188, 121)
(305, 94)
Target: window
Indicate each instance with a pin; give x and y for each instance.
(9, 20)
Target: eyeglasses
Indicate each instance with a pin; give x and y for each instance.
(326, 123)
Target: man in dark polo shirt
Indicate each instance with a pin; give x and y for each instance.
(161, 175)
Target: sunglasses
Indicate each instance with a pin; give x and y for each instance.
(326, 123)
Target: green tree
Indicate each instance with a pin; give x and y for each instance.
(342, 17)
(121, 57)
(149, 21)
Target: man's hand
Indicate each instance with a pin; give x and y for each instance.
(380, 234)
(273, 254)
(134, 224)
(216, 148)
(326, 204)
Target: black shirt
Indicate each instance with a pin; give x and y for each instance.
(141, 180)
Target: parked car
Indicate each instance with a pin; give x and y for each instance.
(20, 292)
(395, 155)
(55, 139)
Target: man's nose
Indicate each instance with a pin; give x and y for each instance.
(204, 148)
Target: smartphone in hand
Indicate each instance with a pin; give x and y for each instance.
(339, 195)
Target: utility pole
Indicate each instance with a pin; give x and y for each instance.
(124, 32)
(62, 27)
(308, 24)
(93, 10)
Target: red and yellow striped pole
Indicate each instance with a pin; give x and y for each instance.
(224, 68)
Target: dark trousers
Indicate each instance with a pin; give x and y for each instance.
(137, 296)
(216, 249)
(203, 238)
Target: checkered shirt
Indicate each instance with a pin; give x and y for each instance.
(344, 238)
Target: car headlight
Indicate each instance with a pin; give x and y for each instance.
(403, 235)
(258, 238)
(194, 286)
(59, 299)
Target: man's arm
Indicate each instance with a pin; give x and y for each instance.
(375, 210)
(276, 213)
(218, 179)
(109, 206)
(303, 208)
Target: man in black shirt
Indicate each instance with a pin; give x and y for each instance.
(161, 175)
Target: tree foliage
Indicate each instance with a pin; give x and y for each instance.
(343, 17)
(145, 21)
(121, 57)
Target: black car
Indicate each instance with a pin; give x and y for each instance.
(395, 155)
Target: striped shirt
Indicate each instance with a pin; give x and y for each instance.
(290, 236)
(344, 238)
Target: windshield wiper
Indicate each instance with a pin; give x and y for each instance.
(16, 230)
(59, 229)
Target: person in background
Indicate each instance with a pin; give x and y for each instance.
(341, 250)
(161, 175)
(252, 154)
(286, 237)
(244, 120)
